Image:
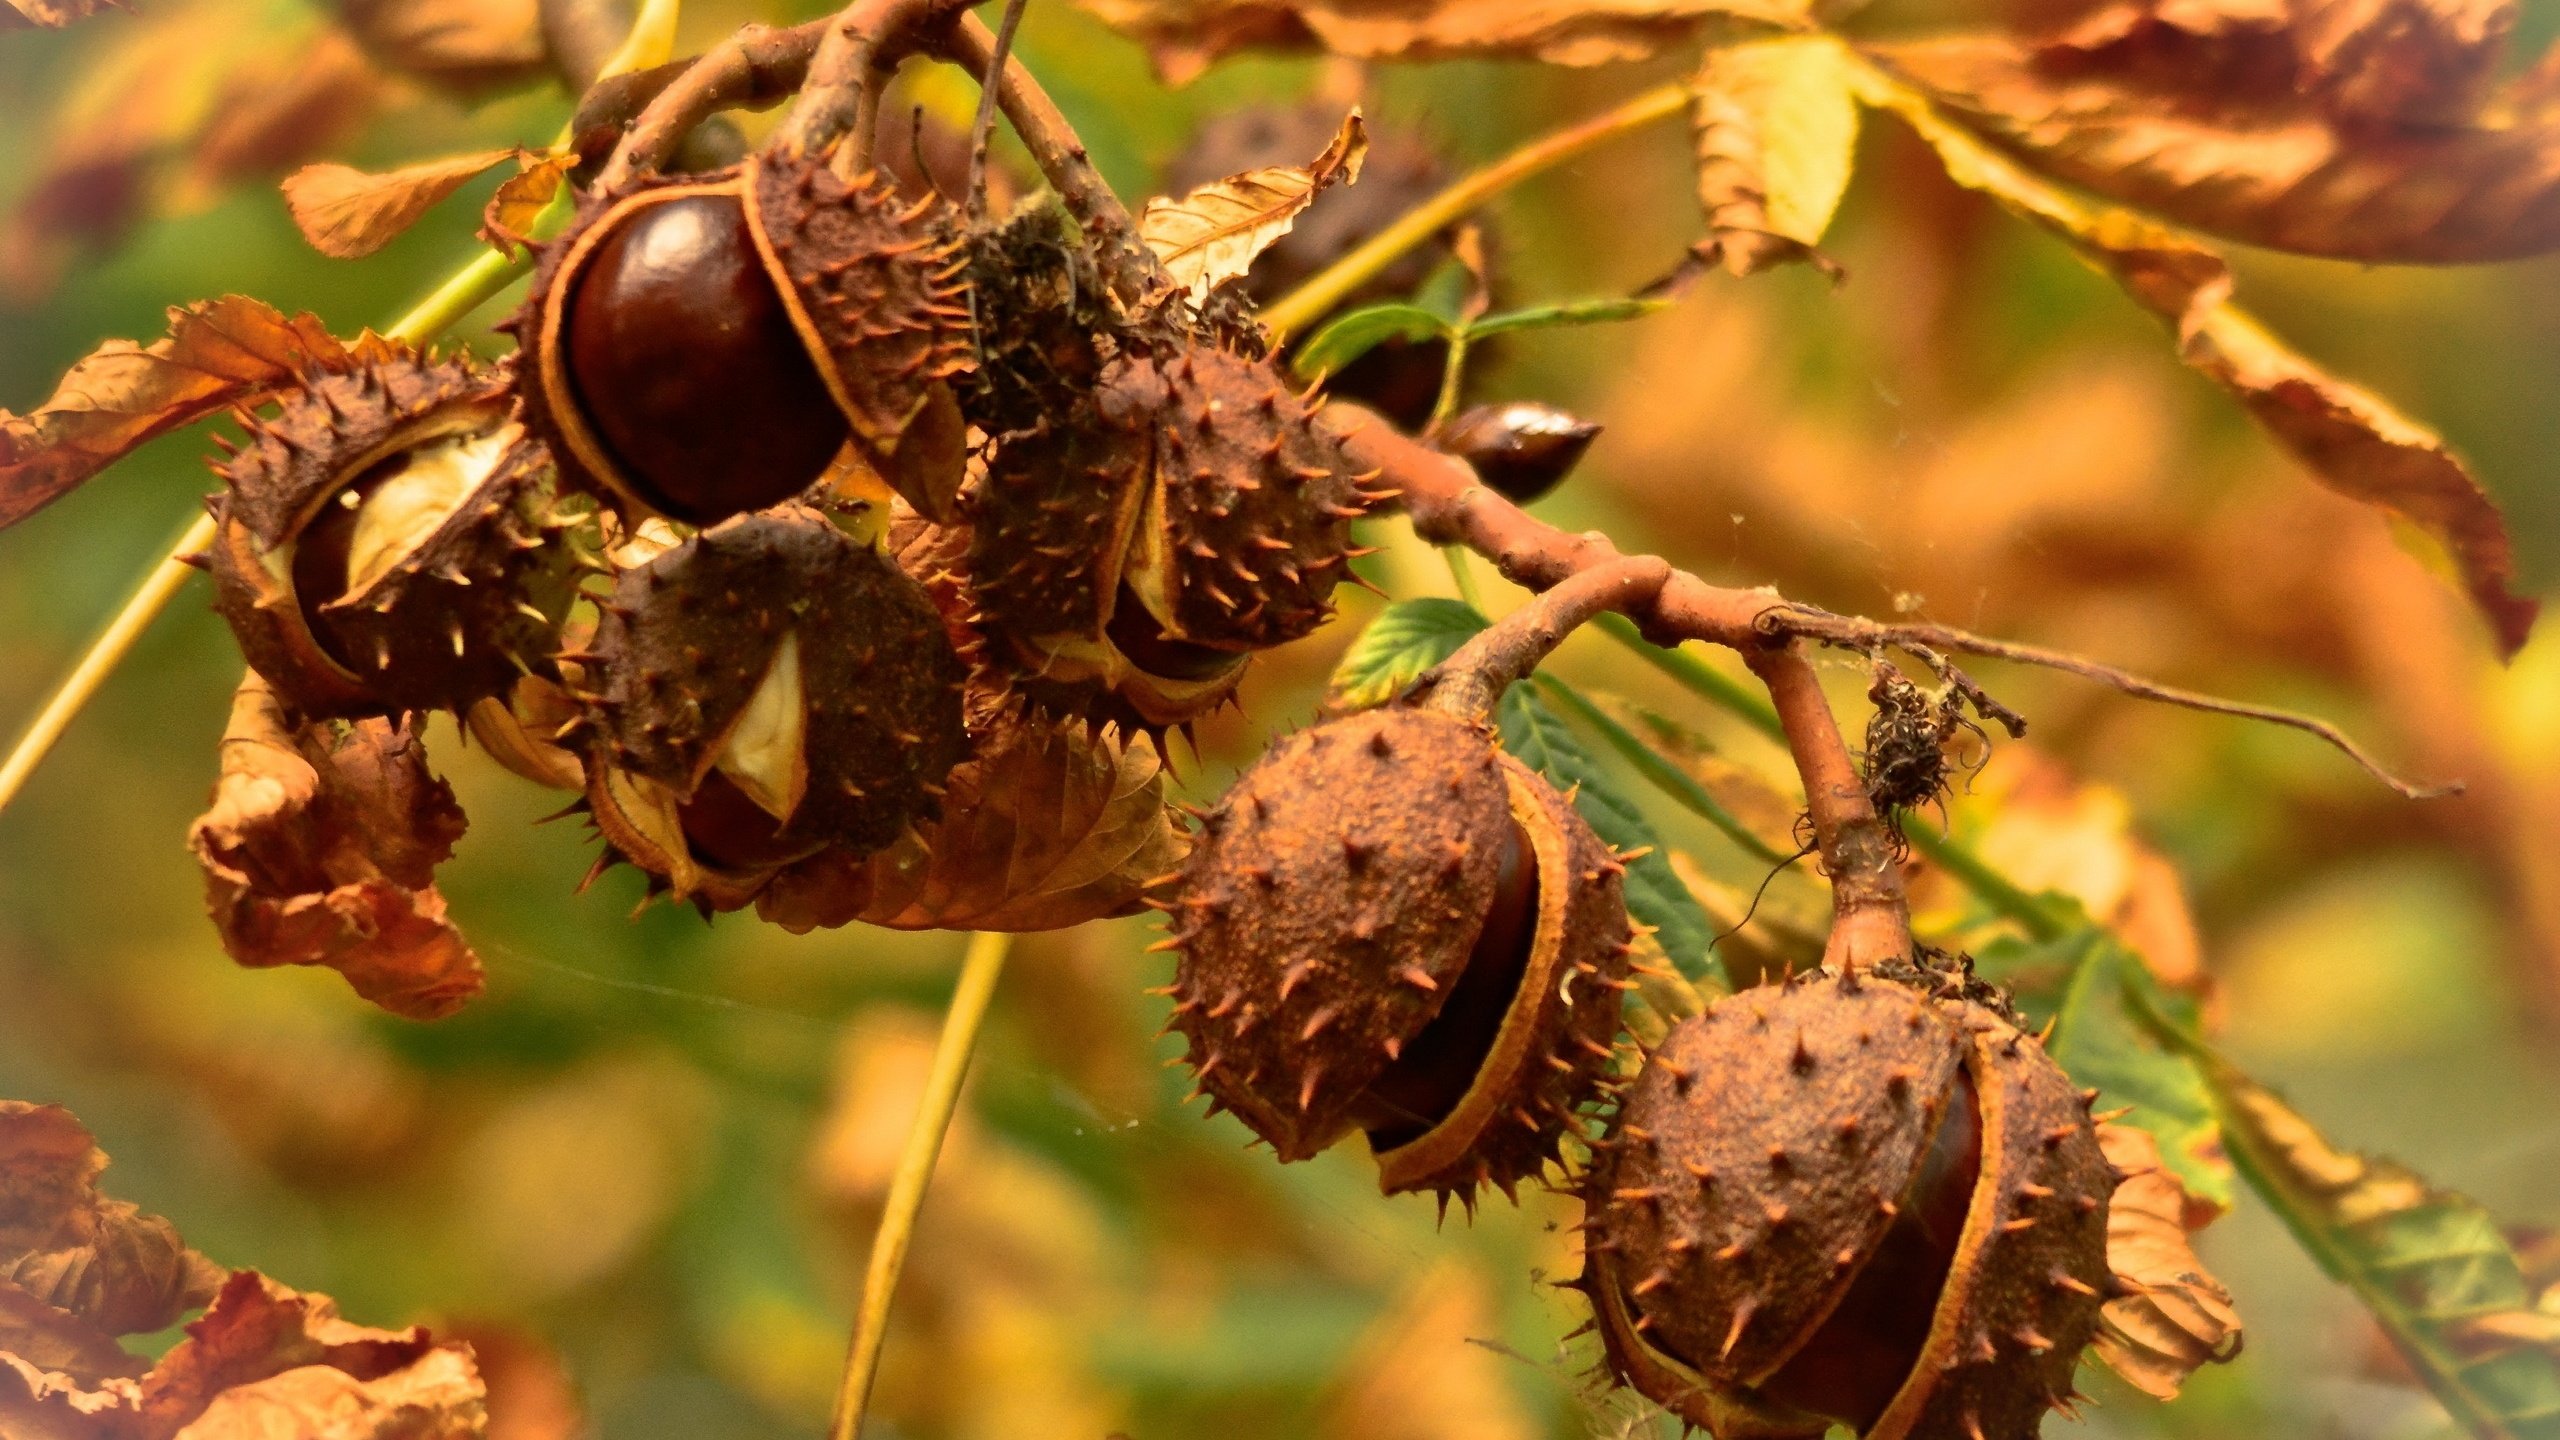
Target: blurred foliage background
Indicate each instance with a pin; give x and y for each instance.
(646, 1163)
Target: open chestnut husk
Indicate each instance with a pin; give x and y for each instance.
(1390, 926)
(1844, 1201)
(390, 542)
(704, 346)
(1147, 538)
(765, 689)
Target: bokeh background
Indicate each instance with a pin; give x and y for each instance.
(643, 1169)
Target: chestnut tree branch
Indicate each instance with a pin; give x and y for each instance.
(639, 119)
(1469, 682)
(860, 46)
(1870, 921)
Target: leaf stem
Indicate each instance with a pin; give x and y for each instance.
(960, 1025)
(1330, 286)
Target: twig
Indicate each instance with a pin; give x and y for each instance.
(865, 40)
(1331, 285)
(1923, 639)
(1469, 682)
(960, 1026)
(754, 68)
(1133, 269)
(982, 128)
(1870, 921)
(105, 653)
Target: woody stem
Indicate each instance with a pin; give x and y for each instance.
(1470, 681)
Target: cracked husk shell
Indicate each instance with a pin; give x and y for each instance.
(389, 541)
(856, 300)
(1803, 1174)
(776, 657)
(1334, 908)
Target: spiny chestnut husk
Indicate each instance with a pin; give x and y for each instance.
(1391, 926)
(388, 541)
(1189, 512)
(1840, 1200)
(705, 346)
(783, 687)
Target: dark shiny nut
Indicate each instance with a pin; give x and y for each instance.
(1521, 448)
(1389, 926)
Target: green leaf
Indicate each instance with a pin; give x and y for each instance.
(1406, 639)
(1572, 312)
(1665, 774)
(1348, 337)
(2099, 1036)
(1534, 732)
(2433, 1266)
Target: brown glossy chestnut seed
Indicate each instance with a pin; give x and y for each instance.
(1521, 448)
(705, 346)
(1352, 952)
(1843, 1201)
(682, 358)
(390, 542)
(793, 661)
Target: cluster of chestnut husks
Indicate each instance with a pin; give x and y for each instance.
(700, 347)
(1390, 926)
(766, 689)
(389, 541)
(1844, 1201)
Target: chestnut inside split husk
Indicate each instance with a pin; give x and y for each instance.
(1390, 926)
(1842, 1200)
(704, 346)
(767, 688)
(390, 540)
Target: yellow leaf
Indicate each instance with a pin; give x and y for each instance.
(2180, 1316)
(1777, 133)
(1212, 235)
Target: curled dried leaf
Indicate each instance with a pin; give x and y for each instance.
(507, 220)
(1211, 235)
(218, 353)
(1054, 825)
(2358, 129)
(2180, 1317)
(348, 213)
(320, 849)
(1186, 36)
(1776, 132)
(266, 1361)
(76, 1267)
(2350, 439)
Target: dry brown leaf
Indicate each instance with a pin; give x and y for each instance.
(320, 849)
(2357, 129)
(462, 45)
(53, 14)
(246, 1372)
(348, 213)
(1055, 826)
(2349, 438)
(218, 353)
(76, 1267)
(1211, 235)
(507, 220)
(1187, 36)
(2181, 1316)
(37, 1404)
(1776, 133)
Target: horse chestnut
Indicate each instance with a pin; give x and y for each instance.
(1521, 448)
(386, 543)
(1844, 1201)
(767, 688)
(1390, 926)
(705, 346)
